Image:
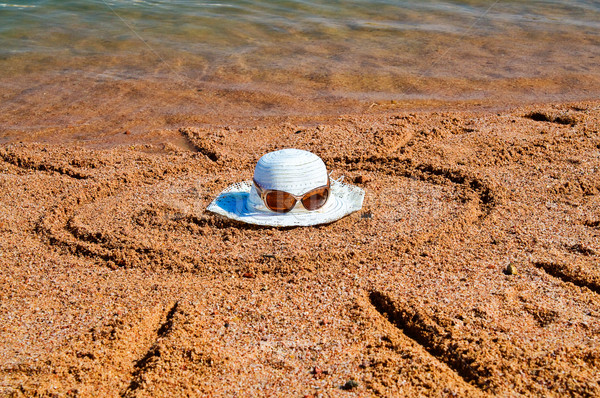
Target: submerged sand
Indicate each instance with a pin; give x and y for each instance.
(115, 281)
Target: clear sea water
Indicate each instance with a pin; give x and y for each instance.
(355, 50)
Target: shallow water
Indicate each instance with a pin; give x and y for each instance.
(296, 56)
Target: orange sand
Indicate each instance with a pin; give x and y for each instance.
(114, 281)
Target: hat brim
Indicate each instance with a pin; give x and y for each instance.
(234, 203)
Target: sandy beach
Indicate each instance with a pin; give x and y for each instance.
(472, 269)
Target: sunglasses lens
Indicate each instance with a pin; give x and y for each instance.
(279, 201)
(316, 199)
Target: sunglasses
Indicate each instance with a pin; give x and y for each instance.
(282, 202)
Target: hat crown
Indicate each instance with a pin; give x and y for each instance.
(290, 170)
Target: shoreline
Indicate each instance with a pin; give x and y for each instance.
(71, 104)
(110, 124)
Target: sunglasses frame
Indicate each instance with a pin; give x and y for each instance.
(298, 198)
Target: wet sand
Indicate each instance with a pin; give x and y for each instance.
(472, 269)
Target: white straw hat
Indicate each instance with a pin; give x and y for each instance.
(294, 171)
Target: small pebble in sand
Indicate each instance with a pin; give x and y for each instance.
(350, 384)
(318, 372)
(249, 275)
(361, 179)
(511, 270)
(127, 132)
